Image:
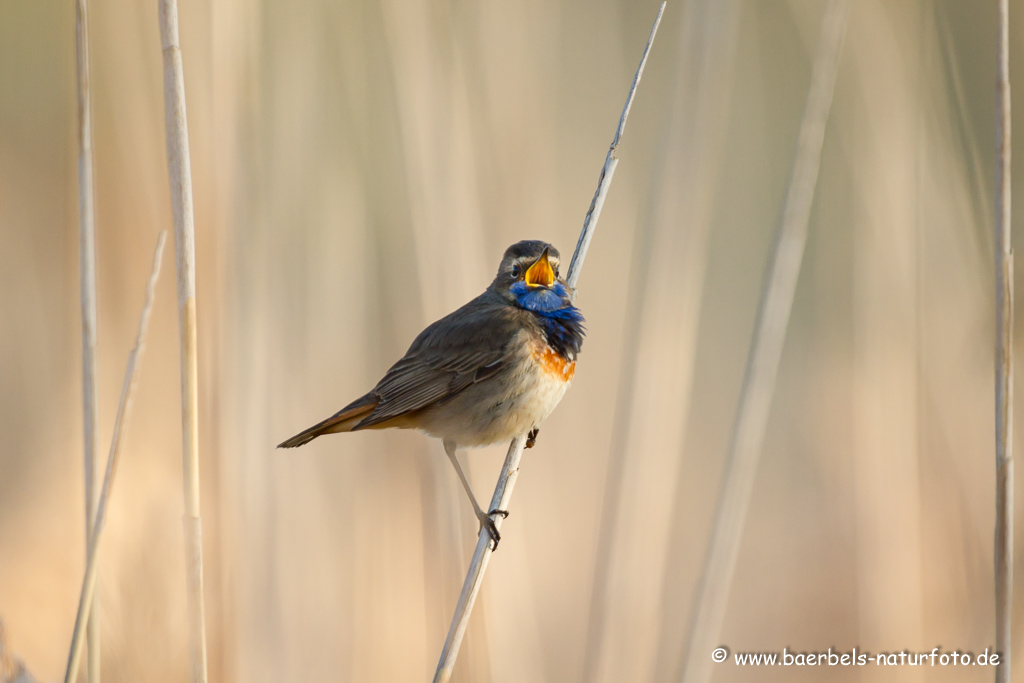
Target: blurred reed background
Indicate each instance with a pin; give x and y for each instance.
(359, 167)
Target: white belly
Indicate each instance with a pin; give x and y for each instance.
(503, 407)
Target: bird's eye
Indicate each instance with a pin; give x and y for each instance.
(516, 270)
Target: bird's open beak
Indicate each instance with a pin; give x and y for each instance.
(540, 274)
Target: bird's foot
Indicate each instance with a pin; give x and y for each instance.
(487, 522)
(531, 438)
(492, 530)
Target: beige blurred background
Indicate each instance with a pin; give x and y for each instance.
(359, 167)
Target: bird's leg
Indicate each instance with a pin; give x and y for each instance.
(485, 520)
(531, 438)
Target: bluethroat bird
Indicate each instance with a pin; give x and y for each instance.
(488, 372)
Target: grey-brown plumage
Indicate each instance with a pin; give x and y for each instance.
(472, 344)
(487, 372)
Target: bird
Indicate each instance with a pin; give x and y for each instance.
(488, 372)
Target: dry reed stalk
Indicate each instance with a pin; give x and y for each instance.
(87, 290)
(611, 161)
(613, 482)
(124, 405)
(478, 565)
(180, 176)
(179, 172)
(670, 258)
(765, 353)
(1004, 355)
(510, 468)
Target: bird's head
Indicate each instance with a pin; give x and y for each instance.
(529, 277)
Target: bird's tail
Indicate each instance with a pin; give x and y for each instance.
(342, 421)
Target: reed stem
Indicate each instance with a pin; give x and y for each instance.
(604, 181)
(180, 175)
(765, 353)
(86, 597)
(510, 469)
(1003, 355)
(87, 287)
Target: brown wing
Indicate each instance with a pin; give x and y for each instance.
(341, 421)
(464, 347)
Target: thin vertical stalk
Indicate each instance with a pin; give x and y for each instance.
(672, 239)
(765, 353)
(478, 565)
(624, 398)
(510, 469)
(87, 287)
(86, 597)
(604, 181)
(1004, 355)
(180, 175)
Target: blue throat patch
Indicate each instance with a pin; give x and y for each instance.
(561, 321)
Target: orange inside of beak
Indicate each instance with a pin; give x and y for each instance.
(540, 274)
